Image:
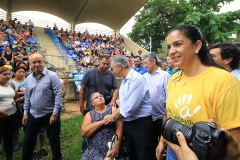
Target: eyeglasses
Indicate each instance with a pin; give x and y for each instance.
(99, 96)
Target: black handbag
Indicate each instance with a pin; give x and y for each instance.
(124, 149)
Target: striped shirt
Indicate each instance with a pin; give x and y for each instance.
(157, 83)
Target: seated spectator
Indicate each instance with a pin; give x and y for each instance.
(20, 56)
(26, 32)
(90, 64)
(8, 56)
(31, 29)
(31, 46)
(14, 45)
(9, 29)
(87, 58)
(19, 35)
(8, 65)
(96, 131)
(18, 48)
(4, 43)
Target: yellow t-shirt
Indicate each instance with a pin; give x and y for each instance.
(213, 94)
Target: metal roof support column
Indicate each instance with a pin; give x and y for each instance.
(9, 10)
(73, 26)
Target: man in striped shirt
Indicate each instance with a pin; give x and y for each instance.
(157, 81)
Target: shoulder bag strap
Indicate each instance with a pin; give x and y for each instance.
(95, 79)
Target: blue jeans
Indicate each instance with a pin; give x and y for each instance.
(171, 154)
(32, 129)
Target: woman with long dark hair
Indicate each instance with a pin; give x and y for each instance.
(201, 90)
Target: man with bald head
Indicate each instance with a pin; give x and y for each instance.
(42, 105)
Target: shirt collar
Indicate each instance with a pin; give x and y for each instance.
(44, 72)
(129, 75)
(157, 71)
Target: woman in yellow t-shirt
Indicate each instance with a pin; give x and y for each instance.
(201, 90)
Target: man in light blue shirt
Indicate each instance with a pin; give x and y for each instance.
(138, 67)
(171, 68)
(157, 82)
(42, 105)
(78, 76)
(135, 109)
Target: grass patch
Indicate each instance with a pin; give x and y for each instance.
(71, 141)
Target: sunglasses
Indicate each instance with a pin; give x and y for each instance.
(99, 96)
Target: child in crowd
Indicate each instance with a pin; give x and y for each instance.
(8, 65)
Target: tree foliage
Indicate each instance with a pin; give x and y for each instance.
(159, 16)
(156, 19)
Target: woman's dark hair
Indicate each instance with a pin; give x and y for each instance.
(194, 34)
(18, 68)
(22, 63)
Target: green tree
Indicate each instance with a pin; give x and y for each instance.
(216, 27)
(159, 16)
(155, 20)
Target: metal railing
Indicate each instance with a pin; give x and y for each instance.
(59, 62)
(60, 73)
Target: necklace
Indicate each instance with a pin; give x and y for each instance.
(184, 84)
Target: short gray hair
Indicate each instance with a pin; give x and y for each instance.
(120, 59)
(151, 56)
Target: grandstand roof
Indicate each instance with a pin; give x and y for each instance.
(112, 13)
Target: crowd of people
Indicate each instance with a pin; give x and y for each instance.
(87, 46)
(197, 83)
(17, 43)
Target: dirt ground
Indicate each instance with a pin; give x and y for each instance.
(70, 110)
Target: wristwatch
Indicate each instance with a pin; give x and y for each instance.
(55, 114)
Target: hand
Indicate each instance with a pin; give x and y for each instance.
(53, 119)
(109, 119)
(24, 120)
(183, 152)
(113, 153)
(84, 110)
(233, 151)
(160, 150)
(112, 103)
(3, 114)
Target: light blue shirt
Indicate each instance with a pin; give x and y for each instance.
(172, 72)
(78, 76)
(134, 97)
(236, 73)
(140, 70)
(157, 83)
(44, 95)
